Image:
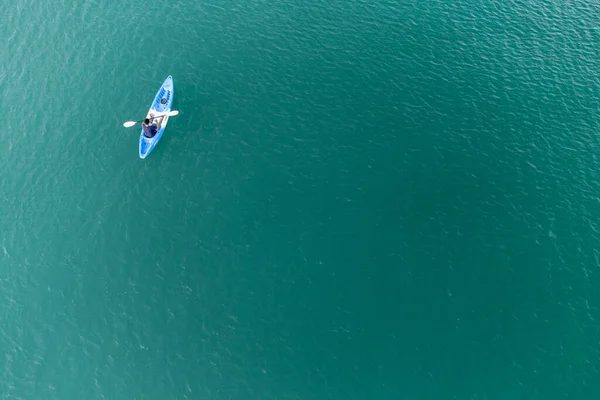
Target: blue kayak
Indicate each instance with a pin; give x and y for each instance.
(161, 104)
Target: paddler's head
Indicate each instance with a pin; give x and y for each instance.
(146, 121)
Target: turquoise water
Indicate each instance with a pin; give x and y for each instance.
(388, 200)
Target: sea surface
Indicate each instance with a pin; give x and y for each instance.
(378, 200)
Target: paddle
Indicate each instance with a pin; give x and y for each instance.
(173, 113)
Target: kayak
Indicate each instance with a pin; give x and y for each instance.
(161, 104)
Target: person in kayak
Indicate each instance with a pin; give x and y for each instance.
(150, 130)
